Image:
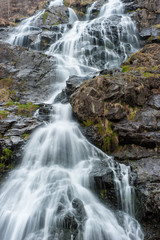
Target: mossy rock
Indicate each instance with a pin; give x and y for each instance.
(27, 109)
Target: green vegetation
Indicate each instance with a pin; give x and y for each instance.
(2, 166)
(125, 68)
(88, 123)
(6, 153)
(150, 39)
(45, 16)
(153, 75)
(26, 136)
(9, 104)
(157, 26)
(132, 113)
(57, 23)
(6, 159)
(5, 82)
(27, 109)
(107, 75)
(110, 138)
(3, 114)
(103, 193)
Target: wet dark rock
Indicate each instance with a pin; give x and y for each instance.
(61, 98)
(154, 101)
(74, 220)
(102, 182)
(146, 15)
(73, 83)
(116, 113)
(54, 16)
(148, 193)
(32, 74)
(80, 213)
(44, 112)
(14, 132)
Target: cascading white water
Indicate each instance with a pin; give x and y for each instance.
(48, 196)
(89, 10)
(103, 42)
(26, 28)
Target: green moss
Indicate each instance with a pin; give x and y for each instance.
(6, 160)
(7, 152)
(26, 136)
(101, 129)
(2, 166)
(27, 109)
(44, 16)
(5, 82)
(3, 114)
(153, 75)
(106, 147)
(125, 68)
(150, 39)
(156, 67)
(103, 193)
(88, 123)
(64, 2)
(110, 138)
(132, 114)
(57, 23)
(9, 104)
(157, 26)
(81, 13)
(141, 69)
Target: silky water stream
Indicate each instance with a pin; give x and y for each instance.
(48, 196)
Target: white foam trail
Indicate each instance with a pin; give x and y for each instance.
(72, 16)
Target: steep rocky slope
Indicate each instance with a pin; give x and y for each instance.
(26, 78)
(120, 113)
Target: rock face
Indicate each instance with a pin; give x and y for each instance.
(28, 75)
(25, 80)
(146, 14)
(120, 113)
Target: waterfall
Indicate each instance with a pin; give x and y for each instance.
(48, 196)
(89, 10)
(26, 28)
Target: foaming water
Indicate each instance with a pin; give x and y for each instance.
(48, 197)
(20, 34)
